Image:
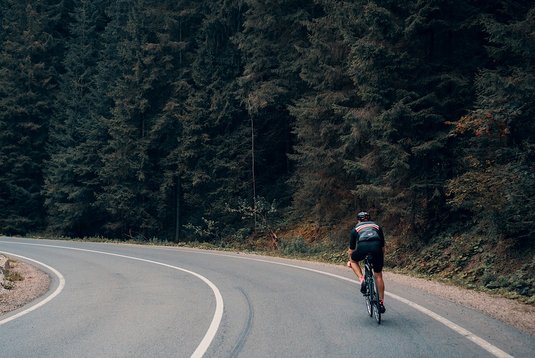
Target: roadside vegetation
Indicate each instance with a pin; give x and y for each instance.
(8, 275)
(460, 261)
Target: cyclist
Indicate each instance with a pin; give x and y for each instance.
(370, 239)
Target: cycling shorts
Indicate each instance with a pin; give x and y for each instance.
(370, 247)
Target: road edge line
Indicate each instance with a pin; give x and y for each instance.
(462, 331)
(47, 299)
(216, 320)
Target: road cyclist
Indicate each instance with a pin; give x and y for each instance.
(367, 238)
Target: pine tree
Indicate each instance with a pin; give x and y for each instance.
(382, 78)
(205, 164)
(129, 174)
(410, 69)
(269, 83)
(71, 180)
(27, 80)
(322, 187)
(494, 182)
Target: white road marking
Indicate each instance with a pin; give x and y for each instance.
(205, 343)
(467, 334)
(216, 320)
(46, 300)
(463, 332)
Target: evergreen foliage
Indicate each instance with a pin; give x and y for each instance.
(76, 134)
(495, 174)
(175, 119)
(27, 85)
(213, 147)
(267, 86)
(127, 174)
(322, 187)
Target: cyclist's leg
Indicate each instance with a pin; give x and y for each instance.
(380, 284)
(356, 256)
(378, 262)
(356, 268)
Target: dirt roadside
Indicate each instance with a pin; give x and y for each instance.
(521, 316)
(516, 314)
(35, 283)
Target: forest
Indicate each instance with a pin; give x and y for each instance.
(272, 123)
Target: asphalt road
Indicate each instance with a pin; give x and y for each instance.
(111, 300)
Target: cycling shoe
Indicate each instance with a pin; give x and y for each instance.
(363, 288)
(382, 308)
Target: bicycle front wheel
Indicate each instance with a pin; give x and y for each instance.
(369, 306)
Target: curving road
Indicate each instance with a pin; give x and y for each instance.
(140, 301)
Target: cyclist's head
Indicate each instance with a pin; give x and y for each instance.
(363, 216)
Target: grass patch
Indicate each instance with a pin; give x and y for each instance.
(299, 248)
(13, 276)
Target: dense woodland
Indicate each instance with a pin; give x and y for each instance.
(230, 120)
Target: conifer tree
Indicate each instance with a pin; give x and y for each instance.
(215, 109)
(495, 184)
(410, 70)
(71, 181)
(129, 177)
(269, 83)
(27, 79)
(205, 165)
(378, 127)
(322, 188)
(173, 135)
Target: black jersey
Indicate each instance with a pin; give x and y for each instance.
(366, 231)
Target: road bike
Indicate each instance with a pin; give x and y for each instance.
(372, 291)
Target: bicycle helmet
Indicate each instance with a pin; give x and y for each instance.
(363, 216)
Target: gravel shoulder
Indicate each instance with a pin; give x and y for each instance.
(36, 283)
(516, 314)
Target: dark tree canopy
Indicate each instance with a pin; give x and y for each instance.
(192, 120)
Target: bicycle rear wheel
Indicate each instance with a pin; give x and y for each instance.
(367, 296)
(374, 301)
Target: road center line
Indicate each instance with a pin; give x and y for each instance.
(216, 320)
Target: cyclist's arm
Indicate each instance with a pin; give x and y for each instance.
(353, 238)
(350, 251)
